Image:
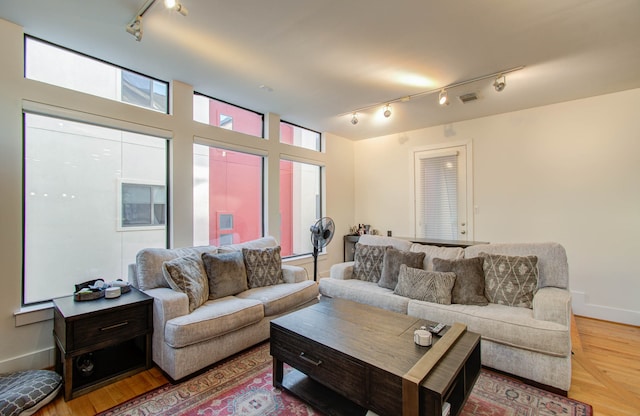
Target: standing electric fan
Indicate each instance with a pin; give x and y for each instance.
(321, 234)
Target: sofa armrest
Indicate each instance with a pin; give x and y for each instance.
(294, 274)
(342, 271)
(167, 304)
(132, 276)
(552, 304)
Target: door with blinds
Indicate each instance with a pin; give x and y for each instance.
(441, 194)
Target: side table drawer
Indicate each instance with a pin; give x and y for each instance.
(324, 365)
(125, 324)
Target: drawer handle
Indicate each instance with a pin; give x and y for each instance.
(309, 360)
(106, 328)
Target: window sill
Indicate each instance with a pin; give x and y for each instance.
(28, 315)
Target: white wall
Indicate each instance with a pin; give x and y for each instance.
(27, 340)
(567, 172)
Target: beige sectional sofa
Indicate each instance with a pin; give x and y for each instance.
(533, 343)
(185, 342)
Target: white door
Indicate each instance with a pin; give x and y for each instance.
(442, 194)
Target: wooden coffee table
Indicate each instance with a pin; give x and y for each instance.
(348, 358)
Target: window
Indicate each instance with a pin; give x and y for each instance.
(82, 220)
(227, 116)
(300, 205)
(228, 195)
(143, 91)
(142, 205)
(58, 66)
(299, 136)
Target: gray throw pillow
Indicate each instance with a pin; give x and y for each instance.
(264, 266)
(425, 285)
(368, 262)
(391, 262)
(226, 272)
(510, 280)
(186, 274)
(469, 286)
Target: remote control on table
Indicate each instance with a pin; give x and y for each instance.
(437, 328)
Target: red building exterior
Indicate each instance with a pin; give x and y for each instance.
(235, 183)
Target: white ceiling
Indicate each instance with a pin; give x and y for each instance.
(325, 58)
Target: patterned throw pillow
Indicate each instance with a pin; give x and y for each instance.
(425, 285)
(186, 274)
(469, 286)
(510, 280)
(368, 262)
(391, 265)
(264, 266)
(226, 272)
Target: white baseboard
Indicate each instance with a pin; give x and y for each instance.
(36, 360)
(582, 307)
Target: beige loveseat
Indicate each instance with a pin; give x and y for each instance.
(184, 341)
(533, 343)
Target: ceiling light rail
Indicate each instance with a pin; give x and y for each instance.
(499, 85)
(134, 27)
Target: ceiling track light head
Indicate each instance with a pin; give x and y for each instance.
(500, 83)
(177, 6)
(387, 110)
(181, 9)
(354, 118)
(443, 98)
(135, 28)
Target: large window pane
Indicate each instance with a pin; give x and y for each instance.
(227, 116)
(299, 136)
(81, 221)
(300, 205)
(54, 65)
(227, 206)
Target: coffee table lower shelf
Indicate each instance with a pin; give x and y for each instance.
(318, 396)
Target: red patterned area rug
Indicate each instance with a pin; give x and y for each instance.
(242, 386)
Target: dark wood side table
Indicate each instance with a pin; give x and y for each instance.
(101, 341)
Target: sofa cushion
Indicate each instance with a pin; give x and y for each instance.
(368, 262)
(553, 268)
(432, 252)
(149, 262)
(363, 292)
(391, 265)
(264, 266)
(469, 286)
(226, 273)
(425, 285)
(213, 319)
(281, 298)
(510, 280)
(502, 324)
(186, 274)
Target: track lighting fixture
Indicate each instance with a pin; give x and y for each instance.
(443, 98)
(500, 83)
(135, 25)
(135, 28)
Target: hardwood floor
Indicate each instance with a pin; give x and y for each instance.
(605, 374)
